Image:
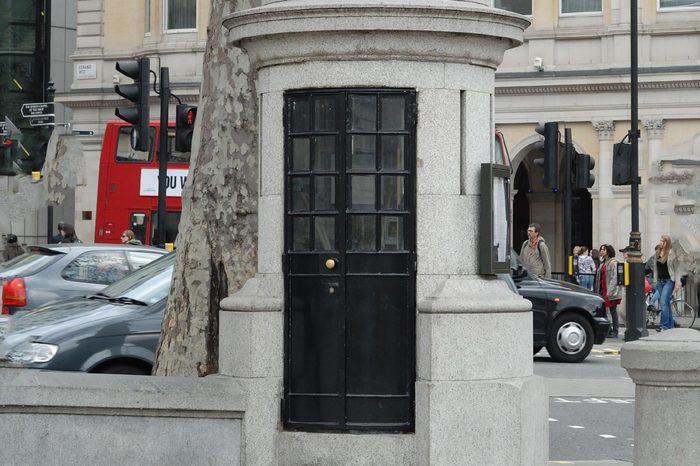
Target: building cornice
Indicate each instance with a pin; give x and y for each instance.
(592, 88)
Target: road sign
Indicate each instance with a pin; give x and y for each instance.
(43, 120)
(38, 109)
(3, 128)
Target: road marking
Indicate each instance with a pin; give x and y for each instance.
(624, 401)
(562, 462)
(607, 436)
(613, 351)
(564, 400)
(551, 419)
(577, 427)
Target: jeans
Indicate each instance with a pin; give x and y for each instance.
(586, 281)
(665, 289)
(656, 295)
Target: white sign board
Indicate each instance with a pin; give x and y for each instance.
(149, 182)
(86, 71)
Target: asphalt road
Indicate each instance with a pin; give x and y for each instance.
(591, 408)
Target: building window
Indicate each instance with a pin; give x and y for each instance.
(670, 4)
(581, 6)
(147, 18)
(180, 15)
(524, 7)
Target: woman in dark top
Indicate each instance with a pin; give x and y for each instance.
(667, 274)
(68, 234)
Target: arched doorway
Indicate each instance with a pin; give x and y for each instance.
(521, 207)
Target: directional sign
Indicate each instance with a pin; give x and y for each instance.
(83, 132)
(38, 109)
(3, 128)
(43, 120)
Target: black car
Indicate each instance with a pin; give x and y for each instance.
(567, 318)
(115, 331)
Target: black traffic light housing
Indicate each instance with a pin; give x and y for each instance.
(550, 146)
(185, 116)
(138, 93)
(6, 151)
(622, 164)
(583, 176)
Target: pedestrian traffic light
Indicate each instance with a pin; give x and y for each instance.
(184, 127)
(622, 164)
(6, 150)
(138, 93)
(584, 178)
(550, 146)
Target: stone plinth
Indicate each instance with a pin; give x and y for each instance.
(666, 370)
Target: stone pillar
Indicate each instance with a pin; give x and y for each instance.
(601, 205)
(476, 399)
(666, 370)
(657, 224)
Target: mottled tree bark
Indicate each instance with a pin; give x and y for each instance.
(216, 245)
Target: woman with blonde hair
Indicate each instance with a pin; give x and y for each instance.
(667, 273)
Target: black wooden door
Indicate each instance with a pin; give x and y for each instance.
(350, 260)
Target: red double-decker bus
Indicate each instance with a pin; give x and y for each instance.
(127, 193)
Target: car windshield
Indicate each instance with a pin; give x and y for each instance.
(148, 284)
(28, 263)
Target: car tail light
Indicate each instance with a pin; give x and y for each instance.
(13, 294)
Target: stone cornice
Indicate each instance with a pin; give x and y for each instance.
(592, 88)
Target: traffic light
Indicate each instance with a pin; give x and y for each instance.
(184, 127)
(138, 93)
(6, 150)
(622, 164)
(583, 178)
(550, 146)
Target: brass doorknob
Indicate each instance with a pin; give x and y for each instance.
(330, 264)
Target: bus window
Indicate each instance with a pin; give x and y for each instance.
(175, 156)
(125, 153)
(172, 220)
(138, 226)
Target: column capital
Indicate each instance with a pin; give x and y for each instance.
(605, 128)
(654, 127)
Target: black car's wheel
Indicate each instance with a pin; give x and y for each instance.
(536, 349)
(122, 368)
(571, 338)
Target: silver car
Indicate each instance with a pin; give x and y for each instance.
(56, 272)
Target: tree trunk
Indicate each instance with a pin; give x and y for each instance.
(217, 240)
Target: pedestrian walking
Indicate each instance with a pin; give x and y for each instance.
(535, 253)
(128, 237)
(667, 273)
(607, 287)
(12, 248)
(68, 234)
(58, 237)
(586, 268)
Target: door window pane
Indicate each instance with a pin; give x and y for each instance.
(301, 234)
(324, 153)
(324, 195)
(362, 192)
(180, 14)
(524, 7)
(301, 115)
(301, 150)
(324, 234)
(362, 233)
(300, 194)
(324, 114)
(363, 112)
(139, 258)
(97, 267)
(679, 3)
(581, 6)
(393, 113)
(392, 152)
(392, 233)
(362, 152)
(392, 193)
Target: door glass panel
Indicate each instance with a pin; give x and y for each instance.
(301, 237)
(301, 115)
(392, 233)
(300, 194)
(362, 233)
(324, 114)
(362, 152)
(393, 113)
(392, 193)
(392, 152)
(324, 193)
(301, 150)
(362, 192)
(324, 153)
(363, 112)
(324, 234)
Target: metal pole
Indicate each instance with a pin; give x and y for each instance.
(636, 323)
(568, 149)
(163, 152)
(50, 94)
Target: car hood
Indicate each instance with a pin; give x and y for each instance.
(56, 321)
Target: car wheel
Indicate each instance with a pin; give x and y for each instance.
(571, 338)
(122, 368)
(536, 349)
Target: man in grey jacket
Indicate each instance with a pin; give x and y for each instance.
(535, 253)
